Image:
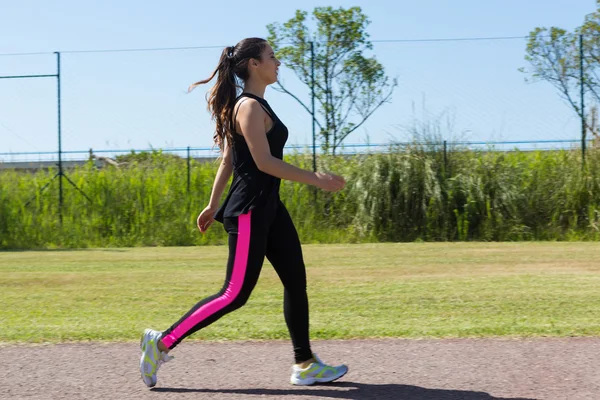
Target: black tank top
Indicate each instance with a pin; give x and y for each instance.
(251, 188)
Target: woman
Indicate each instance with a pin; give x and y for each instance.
(251, 139)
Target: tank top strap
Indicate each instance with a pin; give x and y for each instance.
(236, 108)
(263, 103)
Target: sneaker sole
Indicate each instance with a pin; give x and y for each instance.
(148, 382)
(326, 380)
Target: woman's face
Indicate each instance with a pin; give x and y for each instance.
(268, 66)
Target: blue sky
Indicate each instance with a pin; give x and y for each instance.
(137, 99)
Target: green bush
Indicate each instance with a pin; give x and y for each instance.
(407, 194)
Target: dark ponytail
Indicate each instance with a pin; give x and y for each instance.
(232, 68)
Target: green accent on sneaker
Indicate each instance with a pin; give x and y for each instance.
(325, 369)
(149, 361)
(314, 367)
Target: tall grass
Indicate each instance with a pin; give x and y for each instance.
(407, 194)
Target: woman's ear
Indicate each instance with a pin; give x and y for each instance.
(252, 63)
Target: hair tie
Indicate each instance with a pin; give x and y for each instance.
(230, 50)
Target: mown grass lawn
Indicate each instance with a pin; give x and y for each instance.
(433, 290)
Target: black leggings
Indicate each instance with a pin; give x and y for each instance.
(252, 236)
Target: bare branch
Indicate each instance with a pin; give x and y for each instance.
(368, 115)
(284, 90)
(352, 102)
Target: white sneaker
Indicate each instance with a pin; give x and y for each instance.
(317, 372)
(152, 358)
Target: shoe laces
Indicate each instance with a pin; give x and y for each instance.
(329, 369)
(318, 359)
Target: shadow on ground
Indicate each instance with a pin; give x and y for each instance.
(354, 391)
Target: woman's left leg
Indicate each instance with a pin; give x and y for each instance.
(285, 254)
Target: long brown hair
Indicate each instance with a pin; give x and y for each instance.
(233, 66)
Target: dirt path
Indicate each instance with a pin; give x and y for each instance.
(469, 369)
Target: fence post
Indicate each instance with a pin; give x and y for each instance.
(60, 165)
(188, 170)
(312, 99)
(583, 127)
(446, 159)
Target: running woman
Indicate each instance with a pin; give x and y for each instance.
(251, 139)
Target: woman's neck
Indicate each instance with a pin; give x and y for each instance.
(255, 88)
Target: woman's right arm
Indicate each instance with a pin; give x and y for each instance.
(251, 120)
(223, 174)
(205, 219)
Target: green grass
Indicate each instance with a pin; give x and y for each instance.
(413, 290)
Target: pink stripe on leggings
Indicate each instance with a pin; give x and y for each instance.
(235, 284)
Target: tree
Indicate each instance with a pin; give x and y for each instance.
(349, 86)
(554, 56)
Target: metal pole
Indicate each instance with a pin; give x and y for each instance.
(188, 170)
(60, 166)
(312, 89)
(583, 127)
(60, 171)
(445, 158)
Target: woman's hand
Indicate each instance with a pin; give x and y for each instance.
(329, 182)
(205, 219)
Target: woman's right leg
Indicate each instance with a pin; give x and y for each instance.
(247, 242)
